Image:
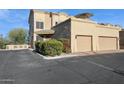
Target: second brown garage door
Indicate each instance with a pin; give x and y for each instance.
(107, 43)
(84, 43)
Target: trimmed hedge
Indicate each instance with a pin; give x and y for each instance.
(66, 45)
(50, 47)
(38, 46)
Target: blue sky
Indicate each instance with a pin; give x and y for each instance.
(17, 18)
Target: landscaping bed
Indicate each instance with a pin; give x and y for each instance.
(49, 48)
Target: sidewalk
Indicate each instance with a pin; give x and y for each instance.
(99, 52)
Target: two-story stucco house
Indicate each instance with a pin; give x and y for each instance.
(41, 23)
(83, 34)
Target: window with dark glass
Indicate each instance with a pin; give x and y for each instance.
(39, 25)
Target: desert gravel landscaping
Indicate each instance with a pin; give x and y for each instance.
(27, 67)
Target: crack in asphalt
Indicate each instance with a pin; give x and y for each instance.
(117, 71)
(76, 72)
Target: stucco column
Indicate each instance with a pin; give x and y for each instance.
(118, 43)
(95, 43)
(73, 43)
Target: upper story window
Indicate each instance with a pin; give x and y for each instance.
(39, 25)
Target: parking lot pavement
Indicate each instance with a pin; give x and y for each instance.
(27, 67)
(114, 60)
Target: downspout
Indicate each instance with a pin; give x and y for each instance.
(51, 19)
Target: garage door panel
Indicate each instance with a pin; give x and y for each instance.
(84, 43)
(107, 43)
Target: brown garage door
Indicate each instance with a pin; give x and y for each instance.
(107, 43)
(84, 43)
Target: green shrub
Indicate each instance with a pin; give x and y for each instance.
(66, 45)
(49, 47)
(38, 46)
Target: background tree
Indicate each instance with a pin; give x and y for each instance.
(18, 36)
(3, 42)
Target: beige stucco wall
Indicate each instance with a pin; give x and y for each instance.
(17, 47)
(55, 18)
(63, 17)
(49, 21)
(83, 27)
(72, 27)
(39, 17)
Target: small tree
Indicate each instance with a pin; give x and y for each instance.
(3, 43)
(18, 36)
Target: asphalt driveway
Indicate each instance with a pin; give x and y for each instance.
(27, 67)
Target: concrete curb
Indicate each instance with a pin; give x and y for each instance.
(59, 57)
(78, 54)
(12, 50)
(56, 57)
